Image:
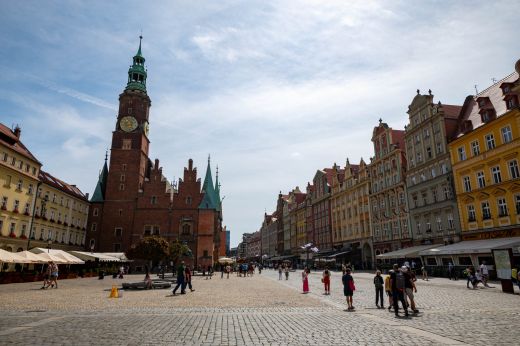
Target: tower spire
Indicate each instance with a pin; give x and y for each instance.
(137, 73)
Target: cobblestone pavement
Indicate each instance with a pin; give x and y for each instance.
(251, 311)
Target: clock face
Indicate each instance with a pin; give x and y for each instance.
(128, 124)
(146, 128)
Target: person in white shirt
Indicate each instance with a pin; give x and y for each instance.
(485, 273)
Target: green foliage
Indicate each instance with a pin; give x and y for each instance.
(178, 250)
(152, 248)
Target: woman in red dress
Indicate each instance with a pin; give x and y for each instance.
(305, 279)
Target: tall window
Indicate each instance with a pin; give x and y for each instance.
(127, 144)
(495, 171)
(475, 148)
(507, 136)
(471, 213)
(462, 153)
(118, 232)
(451, 223)
(467, 184)
(154, 200)
(486, 211)
(439, 224)
(93, 228)
(481, 179)
(517, 204)
(447, 192)
(490, 141)
(514, 173)
(147, 230)
(502, 207)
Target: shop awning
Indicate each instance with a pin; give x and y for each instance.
(281, 258)
(409, 252)
(120, 255)
(483, 246)
(93, 256)
(59, 255)
(10, 257)
(338, 254)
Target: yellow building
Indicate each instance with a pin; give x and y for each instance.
(19, 171)
(351, 213)
(34, 202)
(486, 162)
(60, 214)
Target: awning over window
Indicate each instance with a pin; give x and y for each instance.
(409, 252)
(483, 246)
(338, 254)
(59, 256)
(92, 256)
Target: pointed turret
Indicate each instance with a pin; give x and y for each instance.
(209, 201)
(137, 73)
(217, 192)
(99, 192)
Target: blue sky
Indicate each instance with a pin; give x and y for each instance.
(274, 90)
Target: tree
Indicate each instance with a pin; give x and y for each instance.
(151, 248)
(178, 250)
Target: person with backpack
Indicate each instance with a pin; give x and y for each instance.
(378, 283)
(348, 288)
(410, 288)
(397, 281)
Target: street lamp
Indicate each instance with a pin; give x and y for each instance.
(42, 211)
(49, 243)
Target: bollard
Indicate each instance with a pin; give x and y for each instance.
(120, 293)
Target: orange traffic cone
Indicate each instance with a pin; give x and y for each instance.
(113, 292)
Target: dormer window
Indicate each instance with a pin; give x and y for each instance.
(511, 101)
(482, 103)
(487, 115)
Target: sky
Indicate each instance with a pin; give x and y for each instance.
(273, 90)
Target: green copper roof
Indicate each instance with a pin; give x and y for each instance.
(137, 73)
(99, 192)
(209, 201)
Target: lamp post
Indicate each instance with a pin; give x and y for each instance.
(49, 243)
(43, 202)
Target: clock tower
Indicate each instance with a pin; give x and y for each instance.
(129, 162)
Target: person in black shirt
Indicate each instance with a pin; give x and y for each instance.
(397, 282)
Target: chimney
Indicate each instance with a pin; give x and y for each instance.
(156, 164)
(17, 131)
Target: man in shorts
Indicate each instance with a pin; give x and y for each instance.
(410, 288)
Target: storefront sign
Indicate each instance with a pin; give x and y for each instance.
(492, 234)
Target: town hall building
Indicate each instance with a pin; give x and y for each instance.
(133, 199)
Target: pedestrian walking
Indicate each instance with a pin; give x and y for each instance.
(379, 285)
(286, 270)
(484, 271)
(228, 269)
(348, 288)
(222, 269)
(47, 276)
(187, 278)
(450, 271)
(424, 273)
(54, 275)
(326, 280)
(180, 279)
(388, 289)
(305, 280)
(210, 272)
(279, 272)
(410, 288)
(469, 276)
(397, 281)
